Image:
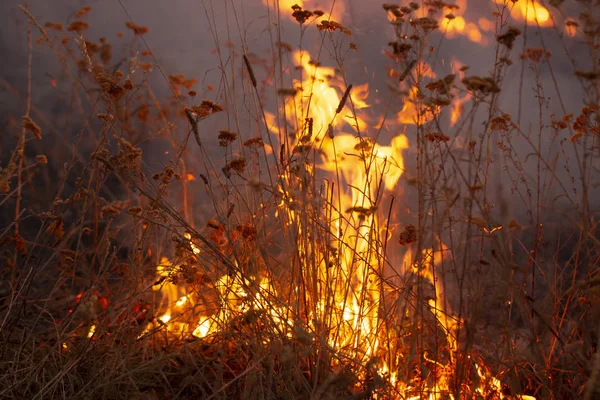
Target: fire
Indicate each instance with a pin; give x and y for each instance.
(345, 292)
(528, 10)
(458, 26)
(459, 101)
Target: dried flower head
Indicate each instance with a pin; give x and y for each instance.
(535, 54)
(108, 83)
(128, 156)
(248, 232)
(437, 137)
(110, 210)
(408, 235)
(226, 137)
(332, 26)
(588, 75)
(83, 11)
(255, 141)
(443, 85)
(365, 144)
(400, 48)
(56, 229)
(301, 15)
(206, 108)
(508, 38)
(237, 165)
(501, 123)
(54, 25)
(425, 23)
(485, 85)
(78, 26)
(135, 210)
(137, 29)
(28, 124)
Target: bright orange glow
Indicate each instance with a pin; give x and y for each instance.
(460, 100)
(473, 33)
(528, 10)
(91, 331)
(458, 26)
(486, 25)
(285, 7)
(571, 28)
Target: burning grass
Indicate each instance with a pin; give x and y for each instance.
(271, 256)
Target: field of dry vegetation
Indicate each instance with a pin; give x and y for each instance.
(282, 232)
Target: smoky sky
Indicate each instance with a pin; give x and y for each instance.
(185, 33)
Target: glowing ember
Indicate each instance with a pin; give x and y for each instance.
(91, 331)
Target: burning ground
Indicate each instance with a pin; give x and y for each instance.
(330, 209)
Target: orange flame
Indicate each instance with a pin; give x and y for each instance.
(528, 10)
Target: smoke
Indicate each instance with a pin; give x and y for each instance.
(195, 38)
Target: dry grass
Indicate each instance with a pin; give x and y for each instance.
(86, 224)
